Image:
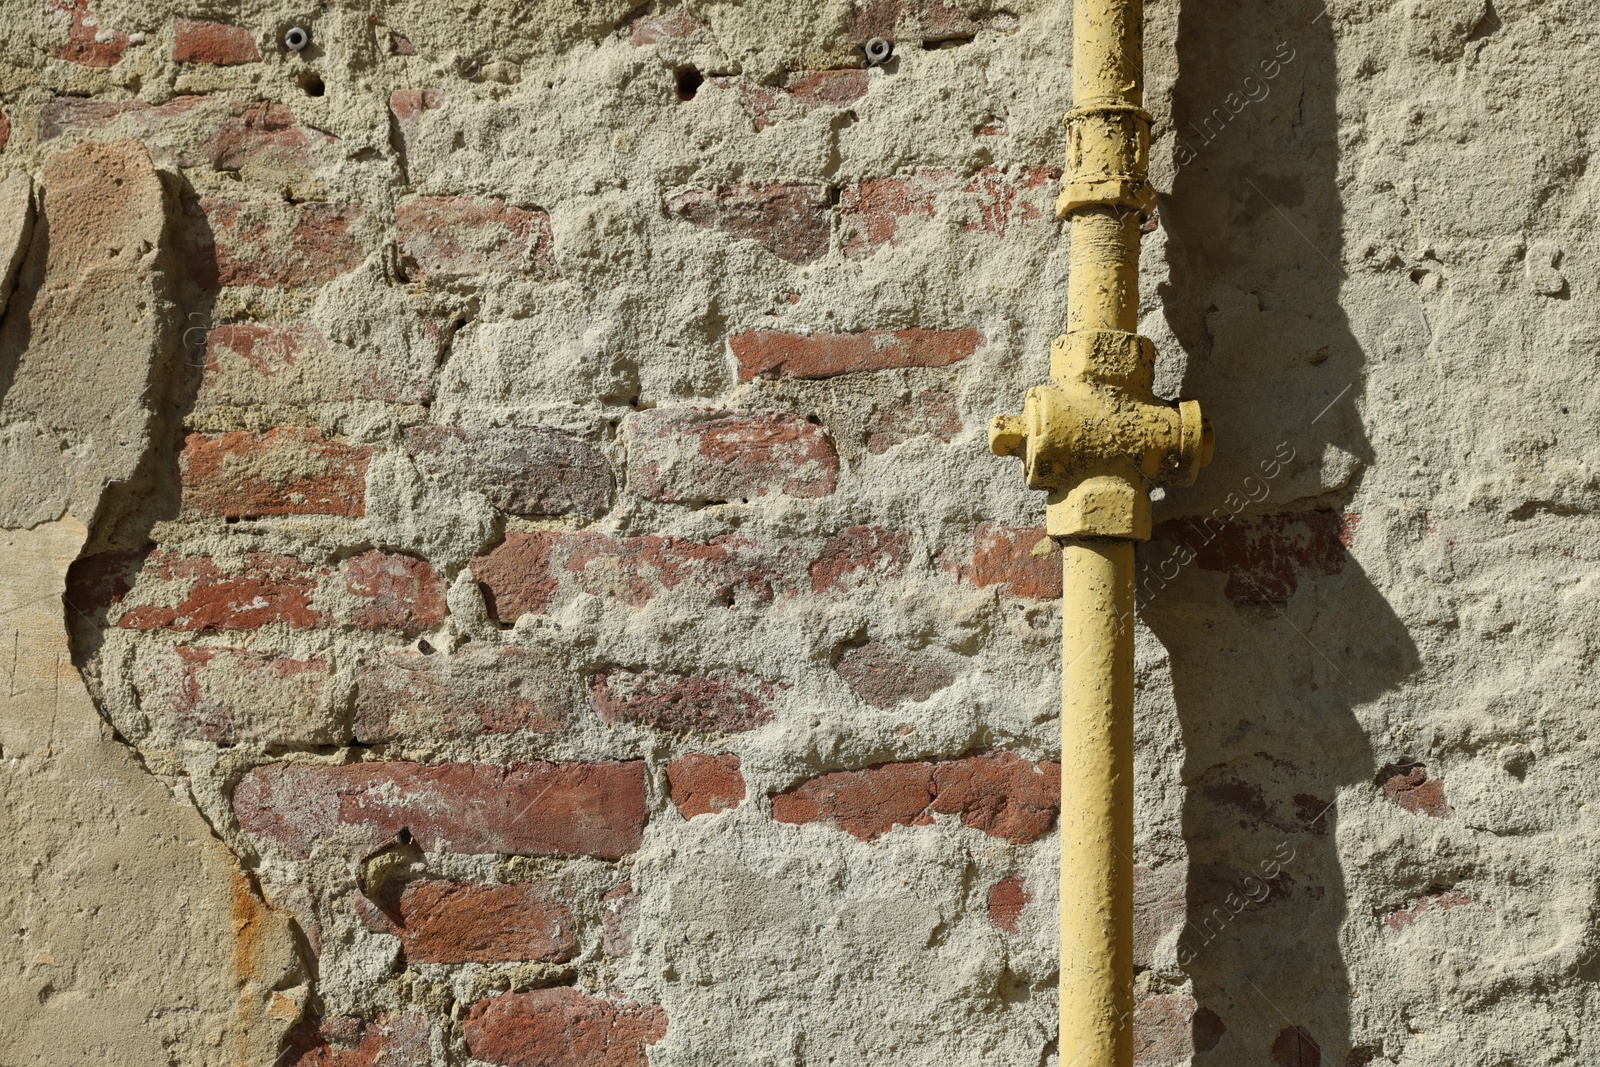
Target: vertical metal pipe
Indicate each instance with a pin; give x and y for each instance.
(1097, 805)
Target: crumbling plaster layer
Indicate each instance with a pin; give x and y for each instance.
(1384, 261)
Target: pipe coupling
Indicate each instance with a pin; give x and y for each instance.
(1097, 439)
(1108, 158)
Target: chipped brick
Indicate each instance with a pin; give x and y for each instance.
(282, 472)
(1007, 898)
(688, 455)
(721, 702)
(792, 221)
(535, 471)
(561, 1027)
(524, 809)
(218, 43)
(463, 236)
(859, 556)
(886, 677)
(404, 694)
(775, 354)
(701, 784)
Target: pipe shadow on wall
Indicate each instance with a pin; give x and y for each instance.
(1275, 635)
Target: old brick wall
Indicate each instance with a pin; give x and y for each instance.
(568, 574)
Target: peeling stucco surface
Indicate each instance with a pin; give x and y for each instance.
(1372, 267)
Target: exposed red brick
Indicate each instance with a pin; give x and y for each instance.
(1159, 907)
(684, 455)
(1023, 561)
(1265, 556)
(5, 130)
(88, 43)
(456, 922)
(1163, 1029)
(461, 236)
(701, 784)
(1435, 900)
(517, 577)
(257, 139)
(792, 221)
(1295, 1047)
(672, 26)
(527, 571)
(280, 472)
(268, 588)
(477, 690)
(217, 43)
(1007, 898)
(271, 244)
(774, 354)
(1410, 787)
(537, 471)
(871, 211)
(722, 702)
(394, 591)
(407, 105)
(859, 556)
(1002, 794)
(801, 93)
(931, 412)
(912, 20)
(885, 677)
(524, 809)
(251, 363)
(232, 695)
(618, 919)
(399, 1040)
(561, 1027)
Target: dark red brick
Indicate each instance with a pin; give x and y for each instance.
(477, 690)
(773, 354)
(686, 455)
(792, 221)
(232, 695)
(1264, 556)
(5, 130)
(561, 1027)
(1207, 1028)
(930, 413)
(859, 556)
(89, 42)
(271, 244)
(701, 784)
(1410, 787)
(456, 922)
(462, 236)
(266, 589)
(1007, 898)
(885, 677)
(619, 910)
(1023, 561)
(524, 809)
(1295, 1047)
(97, 583)
(1002, 794)
(398, 1040)
(217, 43)
(722, 702)
(393, 591)
(535, 471)
(281, 472)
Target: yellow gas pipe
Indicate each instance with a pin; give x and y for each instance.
(1098, 439)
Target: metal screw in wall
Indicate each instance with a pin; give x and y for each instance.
(295, 38)
(878, 51)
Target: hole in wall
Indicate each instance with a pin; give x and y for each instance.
(312, 84)
(688, 79)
